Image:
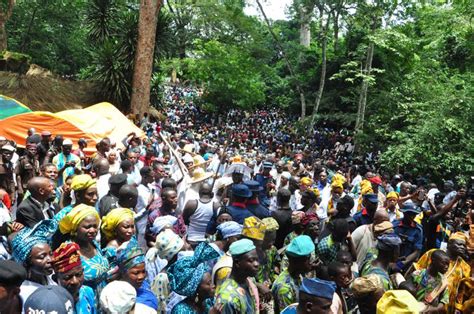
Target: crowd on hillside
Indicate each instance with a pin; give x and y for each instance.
(231, 212)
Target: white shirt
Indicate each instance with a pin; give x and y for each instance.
(103, 185)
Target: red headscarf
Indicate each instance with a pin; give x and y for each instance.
(66, 257)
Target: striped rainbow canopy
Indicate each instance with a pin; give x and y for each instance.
(10, 107)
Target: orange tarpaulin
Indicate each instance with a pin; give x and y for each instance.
(92, 123)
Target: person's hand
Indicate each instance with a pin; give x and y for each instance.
(265, 292)
(16, 226)
(460, 194)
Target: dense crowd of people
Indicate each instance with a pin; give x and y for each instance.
(231, 212)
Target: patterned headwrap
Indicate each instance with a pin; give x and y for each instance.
(82, 182)
(254, 228)
(129, 255)
(70, 222)
(66, 257)
(186, 274)
(114, 218)
(367, 285)
(162, 222)
(27, 238)
(388, 241)
(229, 229)
(271, 224)
(167, 245)
(459, 236)
(296, 217)
(308, 217)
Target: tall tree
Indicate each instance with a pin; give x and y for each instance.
(287, 60)
(143, 67)
(6, 10)
(324, 12)
(305, 13)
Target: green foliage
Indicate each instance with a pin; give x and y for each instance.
(101, 20)
(231, 78)
(51, 33)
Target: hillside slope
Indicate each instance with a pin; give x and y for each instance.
(42, 91)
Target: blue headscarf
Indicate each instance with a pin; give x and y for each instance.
(129, 255)
(27, 238)
(186, 274)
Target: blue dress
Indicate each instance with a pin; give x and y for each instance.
(183, 307)
(95, 271)
(86, 302)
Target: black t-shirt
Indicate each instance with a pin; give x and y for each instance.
(283, 217)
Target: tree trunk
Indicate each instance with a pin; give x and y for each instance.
(322, 77)
(336, 32)
(363, 92)
(143, 65)
(4, 17)
(287, 61)
(3, 36)
(305, 27)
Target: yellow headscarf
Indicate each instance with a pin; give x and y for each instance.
(306, 181)
(315, 192)
(339, 179)
(254, 228)
(270, 223)
(365, 188)
(71, 221)
(459, 236)
(113, 219)
(82, 182)
(392, 194)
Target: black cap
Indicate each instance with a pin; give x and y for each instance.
(118, 179)
(11, 273)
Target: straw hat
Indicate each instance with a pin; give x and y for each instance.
(200, 175)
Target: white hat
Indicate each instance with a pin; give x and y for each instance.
(67, 142)
(286, 174)
(187, 158)
(118, 297)
(8, 147)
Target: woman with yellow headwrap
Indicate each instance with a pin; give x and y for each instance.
(84, 188)
(328, 205)
(458, 268)
(82, 224)
(295, 200)
(391, 206)
(118, 227)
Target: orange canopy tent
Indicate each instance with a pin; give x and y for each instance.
(92, 123)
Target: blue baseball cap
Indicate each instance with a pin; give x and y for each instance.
(241, 190)
(409, 206)
(50, 299)
(318, 287)
(371, 197)
(253, 185)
